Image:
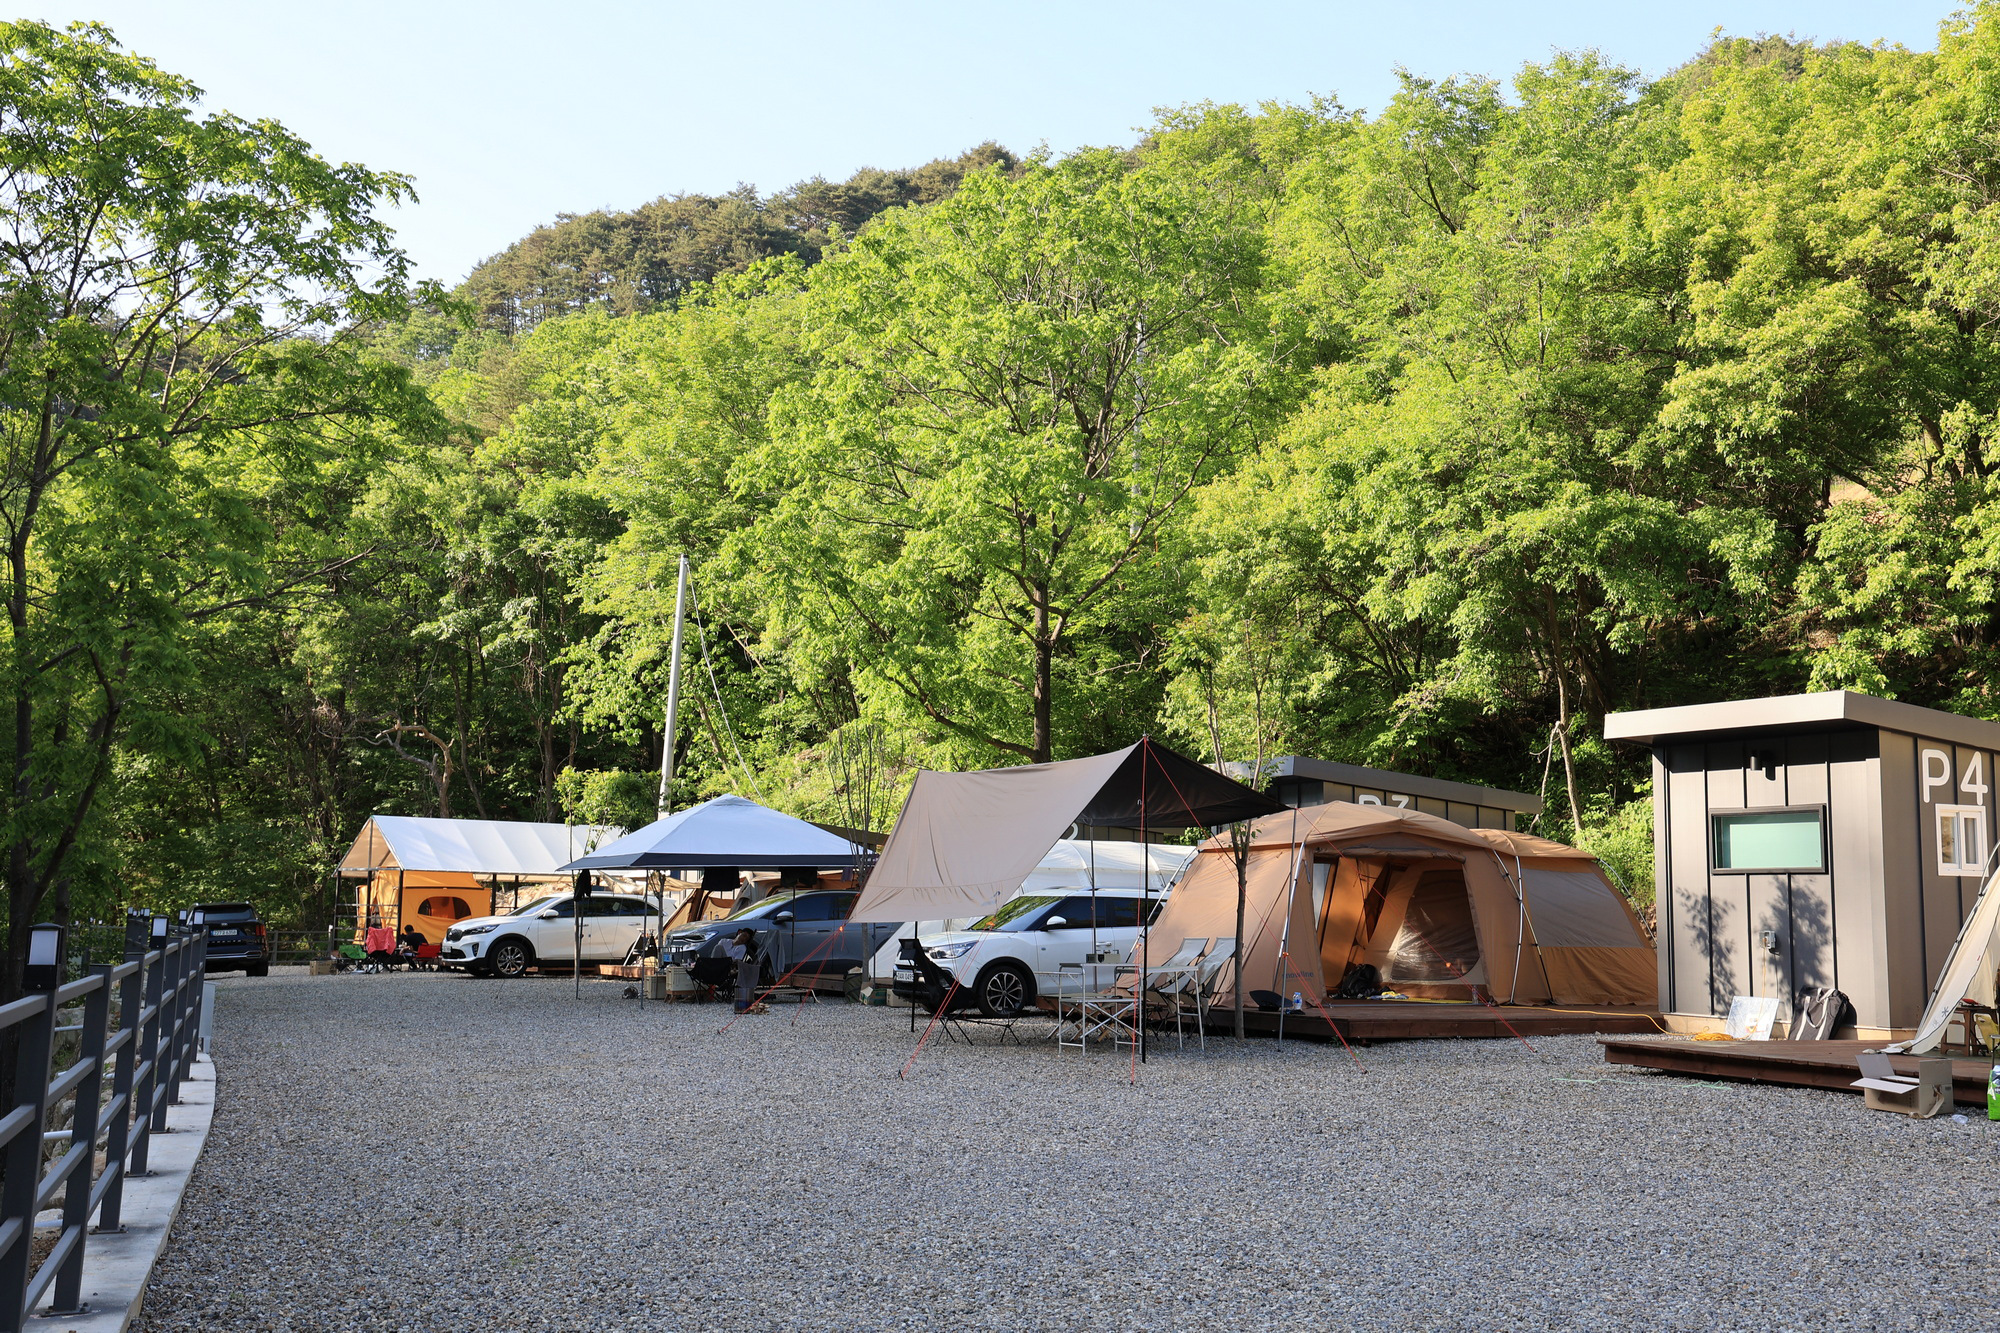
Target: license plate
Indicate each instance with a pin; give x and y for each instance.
(226, 934)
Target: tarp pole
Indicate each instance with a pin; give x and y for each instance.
(673, 691)
(1285, 933)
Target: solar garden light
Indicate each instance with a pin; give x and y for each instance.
(159, 930)
(197, 917)
(45, 952)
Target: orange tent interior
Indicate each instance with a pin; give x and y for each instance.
(1438, 909)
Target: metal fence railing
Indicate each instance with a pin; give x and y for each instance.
(132, 1027)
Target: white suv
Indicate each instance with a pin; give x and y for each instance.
(545, 931)
(1002, 963)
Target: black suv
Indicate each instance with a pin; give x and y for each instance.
(236, 938)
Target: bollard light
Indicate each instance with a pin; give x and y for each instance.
(45, 951)
(159, 930)
(196, 918)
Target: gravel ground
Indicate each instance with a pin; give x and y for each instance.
(436, 1152)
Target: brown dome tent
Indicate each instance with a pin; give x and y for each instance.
(1438, 908)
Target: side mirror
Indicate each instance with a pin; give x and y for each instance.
(783, 918)
(550, 915)
(1055, 923)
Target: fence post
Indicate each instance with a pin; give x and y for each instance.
(118, 1138)
(197, 983)
(24, 1160)
(68, 1299)
(149, 1058)
(170, 1027)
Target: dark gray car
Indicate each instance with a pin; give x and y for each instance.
(808, 929)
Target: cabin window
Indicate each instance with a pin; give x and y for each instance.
(1770, 840)
(1961, 833)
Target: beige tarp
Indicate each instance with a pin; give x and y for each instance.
(966, 841)
(1438, 908)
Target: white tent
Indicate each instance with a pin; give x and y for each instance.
(725, 831)
(472, 846)
(1071, 864)
(430, 873)
(1971, 971)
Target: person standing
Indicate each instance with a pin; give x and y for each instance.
(742, 950)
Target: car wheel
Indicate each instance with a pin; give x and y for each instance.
(1004, 990)
(512, 958)
(260, 970)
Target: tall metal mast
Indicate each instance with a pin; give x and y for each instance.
(673, 691)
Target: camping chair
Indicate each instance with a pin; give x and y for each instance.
(1167, 985)
(1198, 997)
(1986, 1030)
(426, 957)
(352, 957)
(933, 984)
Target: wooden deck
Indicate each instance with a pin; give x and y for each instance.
(1362, 1021)
(1798, 1064)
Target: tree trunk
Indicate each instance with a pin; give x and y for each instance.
(1569, 766)
(1237, 966)
(1043, 743)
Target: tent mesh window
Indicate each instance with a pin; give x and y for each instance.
(1437, 940)
(452, 909)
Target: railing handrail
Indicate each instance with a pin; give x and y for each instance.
(146, 1053)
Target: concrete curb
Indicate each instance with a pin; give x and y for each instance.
(117, 1268)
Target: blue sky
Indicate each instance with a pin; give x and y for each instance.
(508, 113)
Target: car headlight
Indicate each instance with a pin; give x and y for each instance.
(476, 930)
(687, 941)
(947, 952)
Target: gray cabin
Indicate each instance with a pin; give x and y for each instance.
(1829, 839)
(1299, 781)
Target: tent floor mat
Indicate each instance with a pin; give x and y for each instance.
(1395, 1020)
(1798, 1064)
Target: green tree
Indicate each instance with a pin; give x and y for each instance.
(1014, 393)
(175, 336)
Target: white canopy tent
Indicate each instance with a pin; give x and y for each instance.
(724, 831)
(1070, 865)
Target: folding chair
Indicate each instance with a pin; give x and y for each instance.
(426, 958)
(353, 955)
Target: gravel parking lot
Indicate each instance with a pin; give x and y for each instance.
(419, 1152)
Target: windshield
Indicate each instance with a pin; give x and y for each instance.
(764, 908)
(1013, 913)
(536, 906)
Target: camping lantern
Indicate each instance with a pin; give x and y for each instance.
(45, 951)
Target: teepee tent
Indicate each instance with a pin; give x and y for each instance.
(1438, 909)
(1971, 972)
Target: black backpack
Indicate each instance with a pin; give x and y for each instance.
(1820, 1011)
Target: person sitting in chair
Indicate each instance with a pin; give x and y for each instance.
(409, 942)
(742, 950)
